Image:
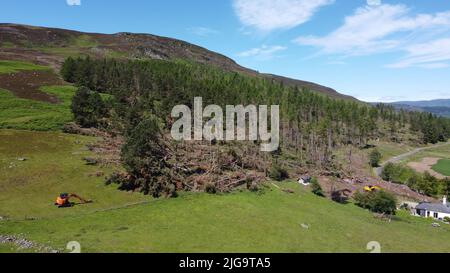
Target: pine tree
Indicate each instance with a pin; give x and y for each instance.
(68, 70)
(316, 188)
(87, 107)
(375, 157)
(144, 156)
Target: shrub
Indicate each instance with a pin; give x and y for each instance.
(316, 188)
(444, 187)
(253, 186)
(414, 181)
(378, 202)
(340, 196)
(210, 188)
(424, 183)
(388, 172)
(68, 69)
(428, 185)
(447, 219)
(87, 107)
(397, 173)
(405, 206)
(375, 158)
(116, 178)
(278, 173)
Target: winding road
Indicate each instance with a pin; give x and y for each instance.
(399, 158)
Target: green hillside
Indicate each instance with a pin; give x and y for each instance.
(240, 222)
(269, 221)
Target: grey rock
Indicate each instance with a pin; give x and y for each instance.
(22, 243)
(436, 225)
(305, 226)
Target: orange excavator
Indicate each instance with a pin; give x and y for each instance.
(63, 200)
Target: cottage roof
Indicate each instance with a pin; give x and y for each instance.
(434, 207)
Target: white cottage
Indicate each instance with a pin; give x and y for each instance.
(436, 211)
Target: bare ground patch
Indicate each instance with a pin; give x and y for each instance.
(426, 166)
(26, 84)
(356, 175)
(357, 184)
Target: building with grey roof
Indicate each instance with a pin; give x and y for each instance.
(438, 211)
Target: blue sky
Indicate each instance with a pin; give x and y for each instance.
(375, 50)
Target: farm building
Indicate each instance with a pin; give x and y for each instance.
(437, 211)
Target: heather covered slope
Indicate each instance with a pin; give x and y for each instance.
(50, 46)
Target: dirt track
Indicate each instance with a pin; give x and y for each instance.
(399, 158)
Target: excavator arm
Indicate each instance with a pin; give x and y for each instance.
(82, 200)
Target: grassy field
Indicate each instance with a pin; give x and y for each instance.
(443, 167)
(16, 66)
(83, 41)
(54, 164)
(16, 113)
(26, 114)
(389, 150)
(238, 222)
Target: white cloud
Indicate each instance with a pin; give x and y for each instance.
(434, 65)
(264, 52)
(373, 2)
(371, 29)
(202, 31)
(385, 99)
(336, 63)
(268, 15)
(430, 55)
(73, 2)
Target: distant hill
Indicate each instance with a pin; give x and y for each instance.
(50, 46)
(428, 103)
(439, 107)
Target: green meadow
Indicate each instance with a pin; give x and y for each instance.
(17, 113)
(443, 167)
(16, 66)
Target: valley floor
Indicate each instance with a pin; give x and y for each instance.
(269, 221)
